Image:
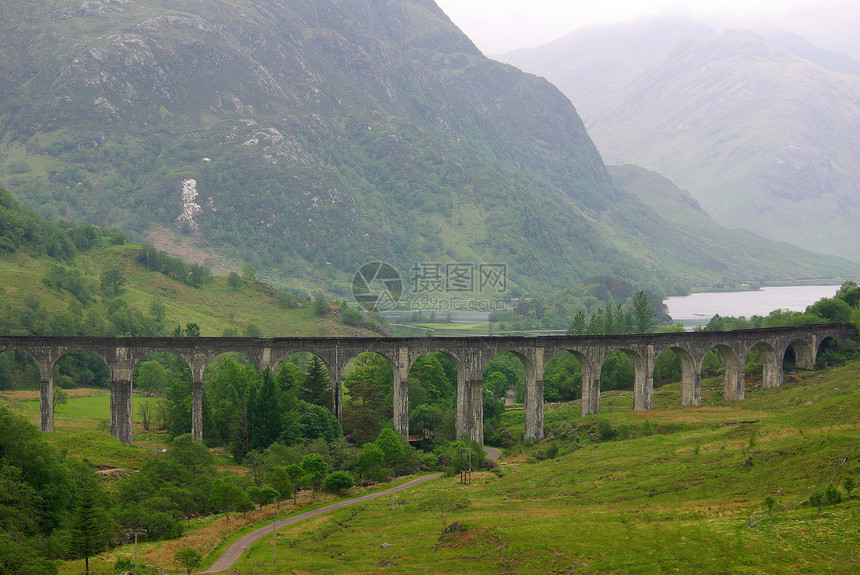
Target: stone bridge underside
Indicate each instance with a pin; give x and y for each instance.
(469, 354)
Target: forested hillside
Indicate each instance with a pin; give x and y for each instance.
(308, 138)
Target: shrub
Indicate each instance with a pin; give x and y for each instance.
(338, 481)
(816, 498)
(605, 429)
(849, 483)
(188, 559)
(832, 495)
(769, 503)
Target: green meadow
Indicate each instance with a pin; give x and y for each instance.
(678, 490)
(681, 490)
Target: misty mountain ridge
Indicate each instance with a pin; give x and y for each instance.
(311, 137)
(765, 135)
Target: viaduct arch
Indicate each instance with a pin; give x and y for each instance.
(469, 354)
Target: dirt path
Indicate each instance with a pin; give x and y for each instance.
(493, 453)
(234, 551)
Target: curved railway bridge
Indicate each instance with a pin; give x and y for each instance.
(469, 354)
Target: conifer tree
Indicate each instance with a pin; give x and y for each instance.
(268, 422)
(90, 527)
(316, 388)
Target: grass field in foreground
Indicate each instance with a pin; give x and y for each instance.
(674, 490)
(683, 493)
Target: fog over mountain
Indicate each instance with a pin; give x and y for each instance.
(763, 129)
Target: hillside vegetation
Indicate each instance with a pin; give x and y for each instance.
(724, 487)
(56, 280)
(309, 138)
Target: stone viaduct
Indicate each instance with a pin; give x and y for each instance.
(469, 354)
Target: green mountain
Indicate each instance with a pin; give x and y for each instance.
(311, 137)
(760, 129)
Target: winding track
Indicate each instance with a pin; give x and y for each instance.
(234, 551)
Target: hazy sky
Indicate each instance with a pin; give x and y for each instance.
(498, 26)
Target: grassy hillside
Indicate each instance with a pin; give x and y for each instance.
(675, 489)
(215, 307)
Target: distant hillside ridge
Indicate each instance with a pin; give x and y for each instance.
(760, 129)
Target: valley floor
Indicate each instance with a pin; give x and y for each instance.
(680, 490)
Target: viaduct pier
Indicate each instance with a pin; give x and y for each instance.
(469, 354)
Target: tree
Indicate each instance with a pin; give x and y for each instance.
(370, 462)
(245, 504)
(249, 273)
(643, 313)
(225, 496)
(427, 419)
(831, 309)
(60, 397)
(816, 498)
(144, 408)
(320, 306)
(317, 422)
(90, 527)
(268, 494)
(191, 330)
(289, 378)
(39, 466)
(317, 388)
(112, 281)
(832, 496)
(234, 281)
(252, 330)
(262, 495)
(191, 455)
(365, 403)
(849, 483)
(255, 494)
(294, 470)
(157, 310)
(579, 325)
(188, 559)
(279, 479)
(496, 382)
(338, 481)
(849, 293)
(315, 469)
(19, 557)
(428, 371)
(391, 445)
(152, 377)
(493, 408)
(267, 420)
